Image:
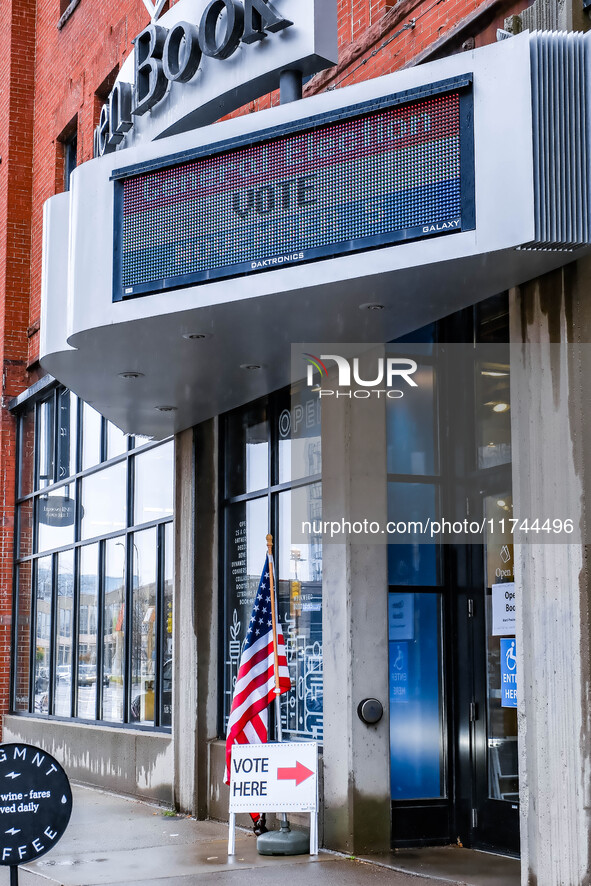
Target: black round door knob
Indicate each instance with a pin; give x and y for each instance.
(370, 710)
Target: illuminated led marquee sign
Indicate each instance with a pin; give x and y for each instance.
(369, 176)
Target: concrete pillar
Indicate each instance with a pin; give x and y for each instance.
(550, 15)
(551, 442)
(355, 629)
(206, 602)
(195, 615)
(184, 718)
(572, 16)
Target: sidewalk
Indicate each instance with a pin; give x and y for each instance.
(114, 841)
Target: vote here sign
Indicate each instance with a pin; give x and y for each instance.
(278, 777)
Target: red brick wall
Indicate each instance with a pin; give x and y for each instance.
(17, 52)
(378, 37)
(73, 64)
(55, 79)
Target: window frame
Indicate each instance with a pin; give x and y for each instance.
(70, 147)
(33, 400)
(271, 493)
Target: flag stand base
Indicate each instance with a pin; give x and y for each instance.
(283, 842)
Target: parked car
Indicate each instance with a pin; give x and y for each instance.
(64, 673)
(86, 674)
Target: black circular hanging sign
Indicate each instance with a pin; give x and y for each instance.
(35, 803)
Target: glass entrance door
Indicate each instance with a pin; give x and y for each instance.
(453, 715)
(418, 727)
(496, 817)
(452, 649)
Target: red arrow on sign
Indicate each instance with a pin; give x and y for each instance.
(299, 772)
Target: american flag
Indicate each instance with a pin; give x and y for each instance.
(255, 685)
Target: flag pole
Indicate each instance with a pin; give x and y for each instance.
(289, 842)
(278, 727)
(275, 650)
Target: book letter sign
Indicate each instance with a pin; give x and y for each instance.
(35, 803)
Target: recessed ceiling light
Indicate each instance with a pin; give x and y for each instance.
(501, 502)
(493, 373)
(371, 306)
(195, 336)
(131, 374)
(166, 408)
(250, 367)
(500, 407)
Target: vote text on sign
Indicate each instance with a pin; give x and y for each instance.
(273, 777)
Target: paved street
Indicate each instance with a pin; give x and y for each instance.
(113, 841)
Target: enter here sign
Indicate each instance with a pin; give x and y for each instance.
(276, 777)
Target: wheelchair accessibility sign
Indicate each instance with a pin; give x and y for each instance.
(398, 672)
(508, 673)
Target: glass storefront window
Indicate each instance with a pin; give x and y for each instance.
(166, 627)
(45, 438)
(67, 412)
(247, 450)
(22, 665)
(64, 634)
(411, 428)
(416, 708)
(245, 529)
(299, 438)
(143, 627)
(114, 625)
(88, 631)
(56, 516)
(43, 597)
(91, 436)
(412, 451)
(493, 413)
(104, 501)
(153, 480)
(26, 452)
(87, 614)
(412, 563)
(116, 441)
(299, 603)
(264, 444)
